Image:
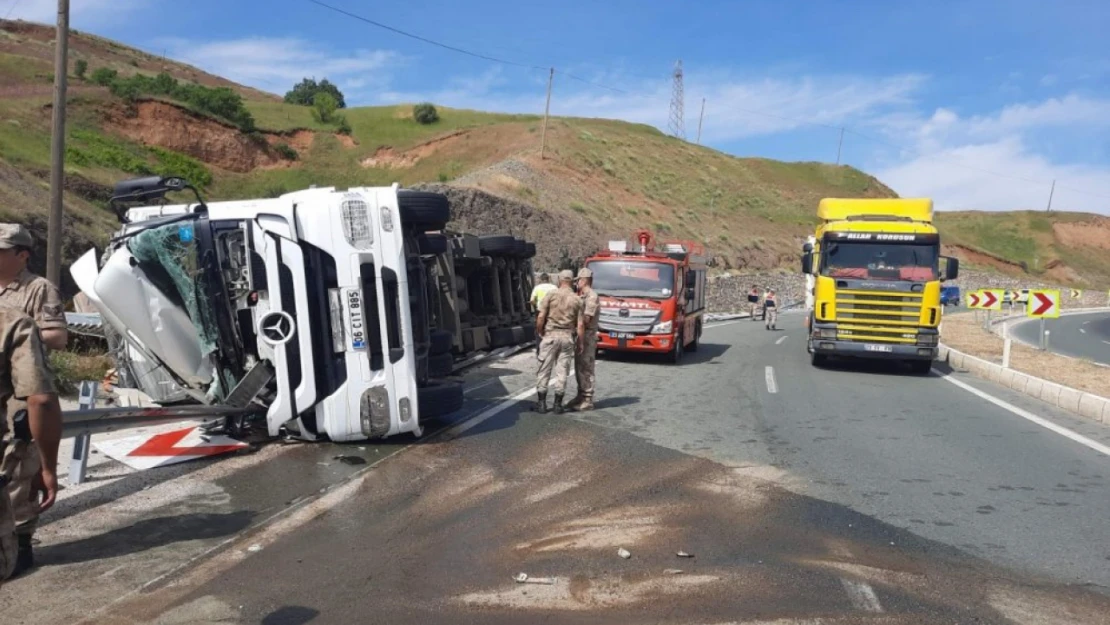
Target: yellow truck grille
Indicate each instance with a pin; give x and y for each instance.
(870, 316)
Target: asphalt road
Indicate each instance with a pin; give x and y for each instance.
(1079, 336)
(851, 494)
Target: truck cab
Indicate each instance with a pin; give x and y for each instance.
(304, 305)
(877, 281)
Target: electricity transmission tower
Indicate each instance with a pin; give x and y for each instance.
(678, 113)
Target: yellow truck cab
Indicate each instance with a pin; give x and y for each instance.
(876, 281)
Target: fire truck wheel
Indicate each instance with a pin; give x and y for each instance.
(441, 342)
(432, 244)
(423, 210)
(500, 337)
(496, 244)
(676, 353)
(440, 365)
(697, 338)
(438, 399)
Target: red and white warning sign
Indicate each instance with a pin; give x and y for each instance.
(159, 450)
(1043, 304)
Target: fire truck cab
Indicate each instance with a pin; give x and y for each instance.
(652, 296)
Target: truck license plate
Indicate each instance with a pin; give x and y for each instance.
(354, 319)
(622, 335)
(878, 348)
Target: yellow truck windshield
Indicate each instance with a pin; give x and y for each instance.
(880, 261)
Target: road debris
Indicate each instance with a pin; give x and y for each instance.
(255, 548)
(522, 578)
(673, 571)
(351, 460)
(683, 554)
(624, 553)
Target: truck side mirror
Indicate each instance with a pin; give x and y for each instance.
(807, 263)
(807, 248)
(951, 268)
(690, 294)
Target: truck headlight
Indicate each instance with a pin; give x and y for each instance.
(665, 327)
(356, 222)
(824, 333)
(387, 219)
(927, 339)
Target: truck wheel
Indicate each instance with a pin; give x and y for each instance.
(500, 337)
(520, 250)
(441, 342)
(440, 365)
(530, 250)
(921, 367)
(818, 360)
(438, 399)
(423, 210)
(529, 333)
(676, 353)
(431, 244)
(496, 244)
(697, 337)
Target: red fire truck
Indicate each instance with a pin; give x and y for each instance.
(652, 296)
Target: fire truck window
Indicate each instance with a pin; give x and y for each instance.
(622, 278)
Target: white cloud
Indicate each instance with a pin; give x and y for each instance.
(276, 64)
(83, 14)
(735, 108)
(986, 162)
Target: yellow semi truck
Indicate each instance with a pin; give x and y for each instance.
(875, 270)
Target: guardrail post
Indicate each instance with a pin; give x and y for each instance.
(81, 444)
(1006, 354)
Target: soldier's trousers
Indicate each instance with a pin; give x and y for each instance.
(556, 354)
(17, 478)
(585, 364)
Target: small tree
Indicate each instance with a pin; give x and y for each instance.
(80, 67)
(104, 76)
(304, 92)
(325, 106)
(425, 113)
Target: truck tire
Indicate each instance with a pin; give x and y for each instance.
(921, 367)
(440, 365)
(530, 250)
(500, 337)
(423, 210)
(441, 342)
(818, 360)
(697, 337)
(675, 355)
(529, 333)
(439, 399)
(432, 244)
(496, 244)
(520, 248)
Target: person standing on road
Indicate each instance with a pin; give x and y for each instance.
(34, 295)
(560, 316)
(540, 291)
(771, 310)
(585, 362)
(753, 300)
(26, 489)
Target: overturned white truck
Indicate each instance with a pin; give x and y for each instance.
(312, 307)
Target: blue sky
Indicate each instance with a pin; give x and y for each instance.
(978, 104)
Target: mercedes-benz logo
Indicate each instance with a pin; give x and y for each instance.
(276, 327)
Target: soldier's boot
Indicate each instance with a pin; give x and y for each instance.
(573, 404)
(25, 556)
(586, 405)
(541, 402)
(559, 404)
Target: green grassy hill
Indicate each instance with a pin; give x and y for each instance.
(600, 178)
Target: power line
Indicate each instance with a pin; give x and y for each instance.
(425, 39)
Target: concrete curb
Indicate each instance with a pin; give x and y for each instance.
(1087, 405)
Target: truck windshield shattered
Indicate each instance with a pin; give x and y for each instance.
(618, 278)
(880, 261)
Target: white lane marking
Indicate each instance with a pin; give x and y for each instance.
(1107, 342)
(862, 595)
(481, 385)
(1025, 414)
(770, 375)
(722, 324)
(1082, 331)
(779, 342)
(490, 412)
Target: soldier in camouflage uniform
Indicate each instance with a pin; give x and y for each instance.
(34, 295)
(24, 490)
(586, 361)
(560, 316)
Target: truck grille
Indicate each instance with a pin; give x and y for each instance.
(635, 321)
(870, 316)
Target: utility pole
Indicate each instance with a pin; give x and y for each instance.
(1050, 192)
(546, 110)
(58, 146)
(839, 144)
(701, 116)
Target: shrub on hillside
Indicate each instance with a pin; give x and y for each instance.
(220, 101)
(80, 67)
(104, 76)
(304, 93)
(425, 113)
(286, 151)
(344, 126)
(325, 105)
